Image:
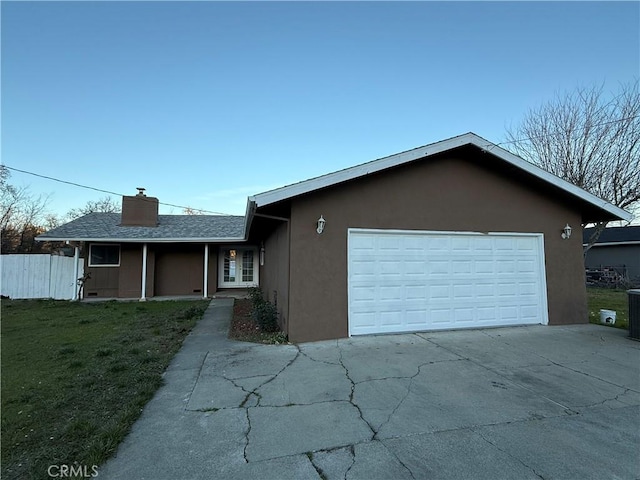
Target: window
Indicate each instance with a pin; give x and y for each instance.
(104, 255)
(229, 265)
(238, 267)
(247, 266)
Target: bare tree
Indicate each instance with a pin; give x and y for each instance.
(21, 215)
(192, 211)
(105, 204)
(588, 139)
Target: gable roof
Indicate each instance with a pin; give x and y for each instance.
(105, 227)
(307, 186)
(614, 236)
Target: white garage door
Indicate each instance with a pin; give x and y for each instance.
(403, 281)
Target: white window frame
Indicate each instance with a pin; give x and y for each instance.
(99, 265)
(238, 282)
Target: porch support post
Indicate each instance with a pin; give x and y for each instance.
(76, 270)
(143, 295)
(205, 290)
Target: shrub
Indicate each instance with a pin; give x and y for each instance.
(264, 312)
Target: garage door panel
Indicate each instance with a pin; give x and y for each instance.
(461, 244)
(486, 314)
(416, 292)
(503, 244)
(415, 267)
(507, 289)
(508, 313)
(462, 267)
(440, 316)
(427, 280)
(438, 267)
(463, 291)
(463, 315)
(527, 288)
(484, 267)
(506, 266)
(485, 290)
(437, 244)
(438, 292)
(417, 318)
(529, 312)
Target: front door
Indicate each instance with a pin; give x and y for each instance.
(238, 267)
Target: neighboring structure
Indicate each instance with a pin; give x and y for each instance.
(456, 234)
(617, 249)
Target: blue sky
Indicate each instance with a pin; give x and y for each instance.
(205, 103)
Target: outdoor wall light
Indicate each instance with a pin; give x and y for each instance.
(321, 222)
(566, 232)
(262, 255)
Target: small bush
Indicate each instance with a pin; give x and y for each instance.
(255, 295)
(264, 312)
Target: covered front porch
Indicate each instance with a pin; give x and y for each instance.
(235, 293)
(143, 271)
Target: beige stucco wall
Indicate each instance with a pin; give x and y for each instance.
(443, 195)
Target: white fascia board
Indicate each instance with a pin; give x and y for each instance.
(248, 215)
(340, 176)
(613, 244)
(144, 240)
(350, 173)
(553, 179)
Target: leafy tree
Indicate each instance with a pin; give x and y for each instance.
(589, 139)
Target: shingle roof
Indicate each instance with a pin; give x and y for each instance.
(614, 235)
(180, 228)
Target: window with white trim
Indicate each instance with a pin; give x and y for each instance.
(104, 255)
(247, 266)
(238, 267)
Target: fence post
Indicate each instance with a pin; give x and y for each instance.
(76, 267)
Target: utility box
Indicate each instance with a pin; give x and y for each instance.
(634, 313)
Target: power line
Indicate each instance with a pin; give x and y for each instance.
(220, 213)
(107, 191)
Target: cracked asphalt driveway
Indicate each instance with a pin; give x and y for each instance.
(523, 402)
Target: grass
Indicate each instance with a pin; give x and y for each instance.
(75, 376)
(608, 299)
(244, 328)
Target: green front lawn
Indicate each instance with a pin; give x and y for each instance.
(608, 299)
(75, 376)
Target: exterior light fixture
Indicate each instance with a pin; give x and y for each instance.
(321, 222)
(262, 255)
(566, 232)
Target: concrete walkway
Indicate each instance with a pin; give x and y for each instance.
(513, 403)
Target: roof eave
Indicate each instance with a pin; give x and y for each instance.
(289, 191)
(307, 186)
(617, 212)
(613, 244)
(142, 240)
(248, 216)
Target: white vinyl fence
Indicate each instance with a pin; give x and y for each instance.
(38, 276)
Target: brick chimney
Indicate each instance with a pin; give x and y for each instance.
(139, 210)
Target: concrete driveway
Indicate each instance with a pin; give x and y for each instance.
(524, 402)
